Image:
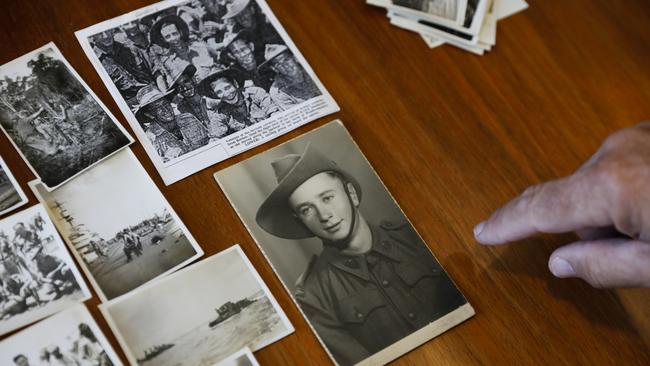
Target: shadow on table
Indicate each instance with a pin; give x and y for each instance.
(530, 258)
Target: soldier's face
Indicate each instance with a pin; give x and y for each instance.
(162, 110)
(246, 18)
(171, 34)
(132, 30)
(225, 90)
(243, 53)
(186, 87)
(322, 204)
(286, 65)
(105, 39)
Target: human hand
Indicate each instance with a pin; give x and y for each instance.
(606, 202)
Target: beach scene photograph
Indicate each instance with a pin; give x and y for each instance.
(211, 310)
(120, 226)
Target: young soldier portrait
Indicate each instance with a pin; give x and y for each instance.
(373, 283)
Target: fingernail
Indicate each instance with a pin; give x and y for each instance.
(478, 229)
(561, 268)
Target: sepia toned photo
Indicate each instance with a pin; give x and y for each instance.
(11, 195)
(53, 119)
(362, 276)
(119, 226)
(203, 80)
(69, 338)
(37, 275)
(211, 309)
(244, 357)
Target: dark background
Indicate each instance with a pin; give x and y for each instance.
(453, 136)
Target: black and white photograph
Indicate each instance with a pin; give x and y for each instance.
(37, 275)
(203, 80)
(362, 276)
(69, 338)
(465, 35)
(243, 357)
(119, 226)
(211, 310)
(54, 120)
(11, 195)
(445, 12)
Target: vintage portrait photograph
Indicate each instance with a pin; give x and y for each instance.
(37, 275)
(11, 195)
(243, 357)
(366, 282)
(119, 226)
(69, 338)
(53, 119)
(211, 309)
(192, 75)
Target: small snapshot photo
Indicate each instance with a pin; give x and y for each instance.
(362, 276)
(243, 357)
(11, 195)
(448, 9)
(37, 275)
(53, 119)
(444, 12)
(199, 315)
(119, 226)
(203, 80)
(70, 338)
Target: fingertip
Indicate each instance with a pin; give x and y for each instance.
(561, 267)
(478, 229)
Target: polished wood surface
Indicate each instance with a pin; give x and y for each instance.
(453, 136)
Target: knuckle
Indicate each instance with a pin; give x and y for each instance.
(620, 138)
(616, 177)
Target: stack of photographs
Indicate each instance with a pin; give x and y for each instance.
(467, 24)
(202, 81)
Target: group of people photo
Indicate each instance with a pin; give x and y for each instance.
(84, 349)
(56, 123)
(31, 272)
(201, 70)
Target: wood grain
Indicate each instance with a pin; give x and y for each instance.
(453, 136)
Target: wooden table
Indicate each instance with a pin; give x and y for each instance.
(453, 136)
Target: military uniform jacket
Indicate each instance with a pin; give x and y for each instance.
(360, 305)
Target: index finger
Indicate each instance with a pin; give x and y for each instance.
(567, 204)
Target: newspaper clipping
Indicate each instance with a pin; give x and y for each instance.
(203, 80)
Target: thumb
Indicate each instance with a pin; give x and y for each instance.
(604, 263)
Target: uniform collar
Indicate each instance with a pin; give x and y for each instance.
(382, 245)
